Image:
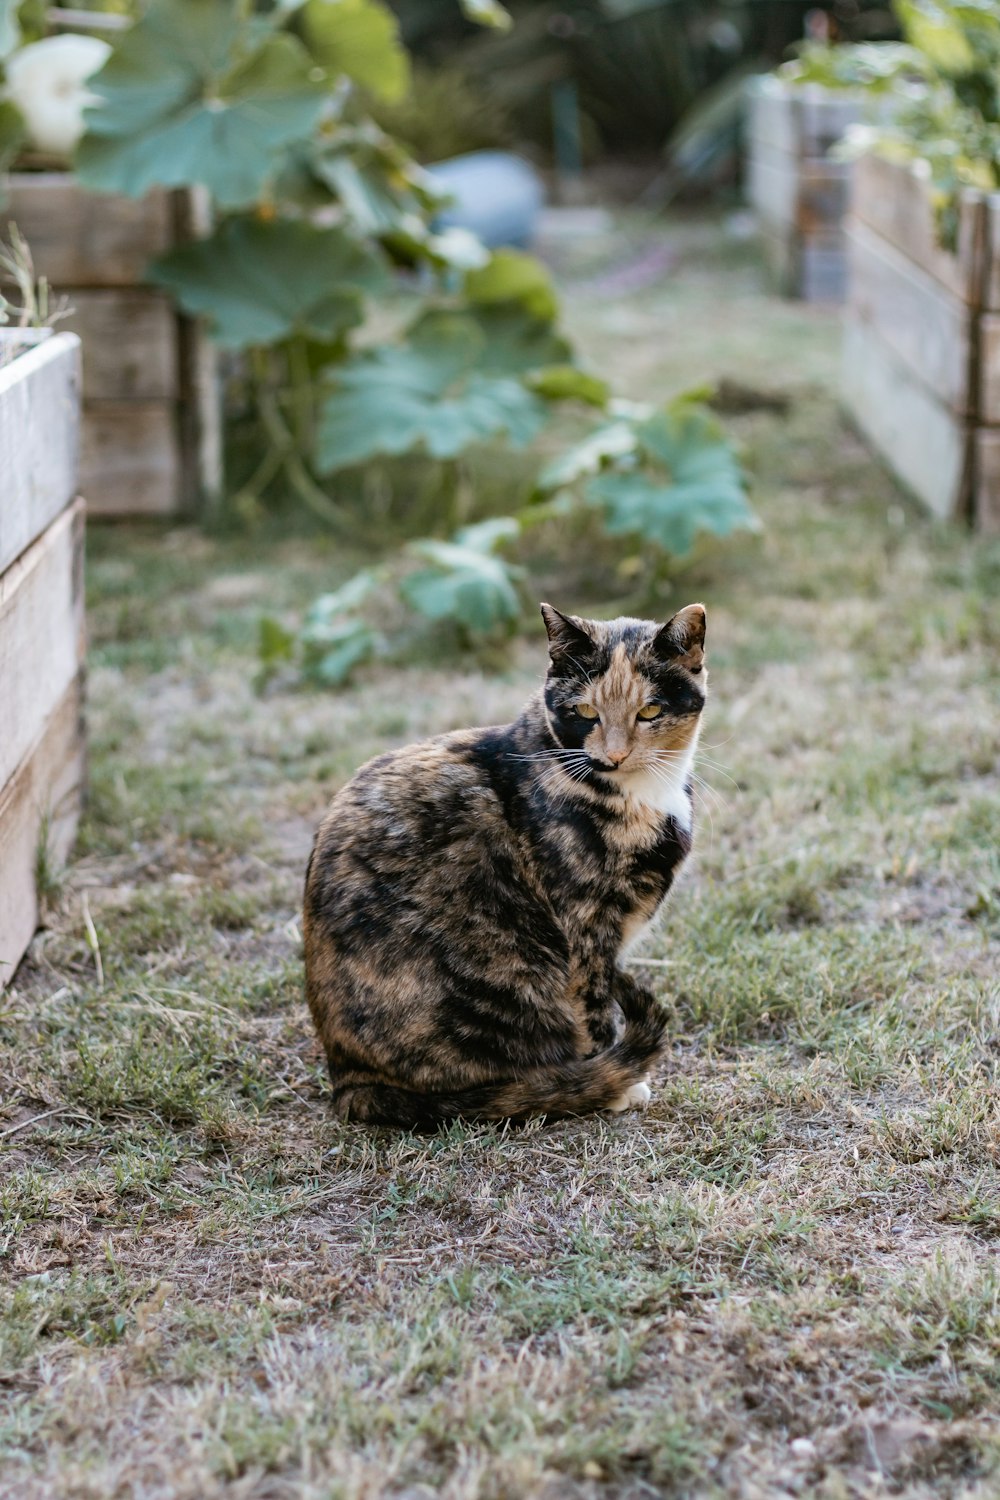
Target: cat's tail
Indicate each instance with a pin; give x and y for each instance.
(607, 1081)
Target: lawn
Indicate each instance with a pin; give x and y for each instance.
(781, 1279)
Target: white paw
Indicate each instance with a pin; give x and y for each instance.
(635, 1097)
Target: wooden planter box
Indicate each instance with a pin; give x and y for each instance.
(41, 627)
(922, 340)
(151, 440)
(798, 195)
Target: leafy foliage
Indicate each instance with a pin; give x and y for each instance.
(663, 477)
(360, 39)
(948, 111)
(443, 388)
(257, 281)
(266, 106)
(466, 581)
(186, 97)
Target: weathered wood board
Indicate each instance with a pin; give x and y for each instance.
(986, 494)
(811, 194)
(804, 119)
(797, 191)
(39, 440)
(39, 804)
(129, 463)
(130, 344)
(41, 633)
(989, 369)
(928, 446)
(137, 350)
(81, 239)
(893, 199)
(926, 325)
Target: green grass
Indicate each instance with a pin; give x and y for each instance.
(779, 1280)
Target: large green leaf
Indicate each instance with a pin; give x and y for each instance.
(361, 39)
(428, 392)
(689, 482)
(192, 94)
(465, 583)
(614, 441)
(258, 281)
(331, 651)
(666, 513)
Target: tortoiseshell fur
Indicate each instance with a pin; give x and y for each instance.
(469, 899)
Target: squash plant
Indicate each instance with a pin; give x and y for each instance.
(315, 213)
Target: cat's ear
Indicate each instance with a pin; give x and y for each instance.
(681, 641)
(568, 634)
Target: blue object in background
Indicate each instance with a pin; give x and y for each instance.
(495, 195)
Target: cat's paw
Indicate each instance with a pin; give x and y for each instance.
(637, 1096)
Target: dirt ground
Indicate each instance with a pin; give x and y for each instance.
(782, 1278)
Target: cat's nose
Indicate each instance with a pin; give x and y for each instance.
(617, 756)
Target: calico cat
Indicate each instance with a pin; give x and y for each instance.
(468, 900)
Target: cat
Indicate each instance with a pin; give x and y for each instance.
(469, 899)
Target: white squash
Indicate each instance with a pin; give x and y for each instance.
(47, 81)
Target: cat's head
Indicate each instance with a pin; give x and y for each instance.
(628, 693)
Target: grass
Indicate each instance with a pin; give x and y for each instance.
(781, 1280)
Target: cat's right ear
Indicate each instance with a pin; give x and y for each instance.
(568, 635)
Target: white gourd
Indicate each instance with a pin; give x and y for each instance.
(47, 81)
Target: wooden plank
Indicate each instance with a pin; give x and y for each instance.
(81, 239)
(772, 188)
(823, 116)
(129, 338)
(769, 116)
(39, 440)
(41, 633)
(926, 445)
(824, 191)
(811, 194)
(989, 369)
(926, 325)
(821, 274)
(893, 199)
(40, 803)
(986, 501)
(802, 119)
(130, 463)
(991, 277)
(201, 422)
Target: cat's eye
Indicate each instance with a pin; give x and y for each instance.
(586, 710)
(651, 711)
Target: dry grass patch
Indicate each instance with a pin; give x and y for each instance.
(781, 1280)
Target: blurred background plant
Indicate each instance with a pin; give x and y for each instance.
(629, 71)
(360, 332)
(944, 78)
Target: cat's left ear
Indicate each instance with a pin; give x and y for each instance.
(568, 634)
(681, 641)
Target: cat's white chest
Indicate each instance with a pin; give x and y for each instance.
(663, 793)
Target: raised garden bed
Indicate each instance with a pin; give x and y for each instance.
(41, 626)
(151, 442)
(798, 194)
(922, 339)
